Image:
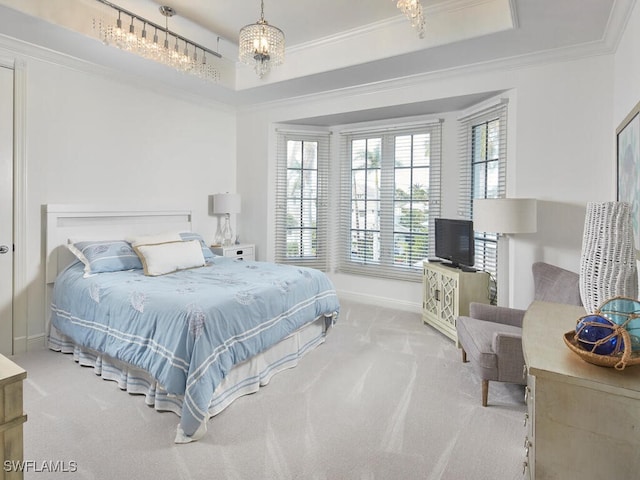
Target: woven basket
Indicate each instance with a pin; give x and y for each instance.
(615, 361)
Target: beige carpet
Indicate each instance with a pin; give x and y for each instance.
(386, 397)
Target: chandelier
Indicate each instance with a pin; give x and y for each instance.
(413, 10)
(261, 45)
(174, 50)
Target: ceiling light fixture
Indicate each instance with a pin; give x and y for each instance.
(261, 45)
(176, 51)
(413, 10)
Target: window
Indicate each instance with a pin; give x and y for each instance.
(389, 197)
(483, 150)
(301, 199)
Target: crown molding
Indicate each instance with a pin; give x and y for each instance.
(430, 10)
(515, 20)
(12, 49)
(229, 99)
(560, 55)
(617, 22)
(448, 23)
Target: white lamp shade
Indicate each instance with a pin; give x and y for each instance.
(224, 203)
(505, 215)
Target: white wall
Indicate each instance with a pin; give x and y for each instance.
(626, 93)
(94, 140)
(560, 152)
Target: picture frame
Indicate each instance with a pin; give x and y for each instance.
(628, 167)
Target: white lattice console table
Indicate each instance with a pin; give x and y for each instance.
(447, 292)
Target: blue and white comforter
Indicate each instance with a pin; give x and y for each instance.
(189, 328)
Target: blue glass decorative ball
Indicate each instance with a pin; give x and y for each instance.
(590, 334)
(626, 312)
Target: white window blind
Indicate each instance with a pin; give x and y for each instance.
(302, 198)
(483, 156)
(389, 197)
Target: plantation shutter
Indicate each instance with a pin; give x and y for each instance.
(389, 196)
(302, 198)
(482, 144)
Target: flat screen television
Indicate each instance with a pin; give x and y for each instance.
(455, 242)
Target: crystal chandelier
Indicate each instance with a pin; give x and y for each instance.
(413, 10)
(261, 45)
(175, 51)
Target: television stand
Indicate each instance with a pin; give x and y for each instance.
(447, 292)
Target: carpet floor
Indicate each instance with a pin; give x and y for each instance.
(386, 397)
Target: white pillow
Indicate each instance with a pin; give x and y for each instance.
(154, 239)
(162, 258)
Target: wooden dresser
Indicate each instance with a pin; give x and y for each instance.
(583, 420)
(11, 418)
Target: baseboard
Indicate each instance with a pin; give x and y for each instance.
(36, 342)
(381, 301)
(27, 344)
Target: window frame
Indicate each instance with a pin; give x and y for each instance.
(319, 259)
(486, 243)
(386, 265)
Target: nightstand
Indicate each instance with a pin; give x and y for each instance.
(243, 251)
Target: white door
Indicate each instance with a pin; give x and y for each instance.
(6, 211)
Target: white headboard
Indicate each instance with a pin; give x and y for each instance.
(64, 222)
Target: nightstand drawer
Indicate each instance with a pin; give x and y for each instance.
(239, 252)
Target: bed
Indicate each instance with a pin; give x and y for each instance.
(191, 336)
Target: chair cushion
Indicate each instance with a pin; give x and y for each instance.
(476, 337)
(555, 284)
(494, 313)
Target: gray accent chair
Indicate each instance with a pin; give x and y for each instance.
(491, 336)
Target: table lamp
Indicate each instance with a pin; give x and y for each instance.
(226, 204)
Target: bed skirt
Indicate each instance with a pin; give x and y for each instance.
(242, 379)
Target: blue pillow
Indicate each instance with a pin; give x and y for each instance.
(206, 251)
(101, 256)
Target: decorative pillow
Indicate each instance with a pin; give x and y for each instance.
(101, 256)
(162, 258)
(206, 251)
(154, 239)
